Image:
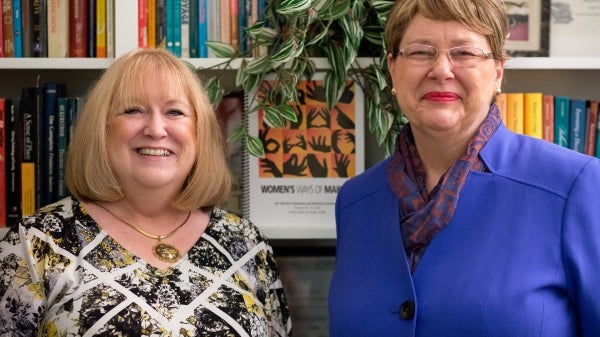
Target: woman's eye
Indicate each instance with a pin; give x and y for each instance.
(175, 112)
(132, 111)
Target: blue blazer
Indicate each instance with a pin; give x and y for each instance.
(520, 257)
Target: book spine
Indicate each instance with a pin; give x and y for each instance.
(533, 114)
(39, 38)
(7, 28)
(1, 32)
(29, 151)
(194, 25)
(73, 105)
(170, 25)
(577, 122)
(242, 23)
(142, 24)
(49, 150)
(515, 111)
(13, 162)
(548, 118)
(184, 15)
(203, 28)
(110, 28)
(177, 28)
(561, 120)
(3, 143)
(101, 29)
(225, 20)
(61, 144)
(151, 29)
(233, 23)
(91, 30)
(27, 27)
(58, 28)
(38, 97)
(592, 126)
(17, 28)
(161, 24)
(78, 28)
(213, 25)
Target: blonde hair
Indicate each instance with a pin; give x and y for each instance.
(486, 17)
(89, 174)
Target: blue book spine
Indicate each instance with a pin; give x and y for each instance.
(170, 24)
(578, 117)
(52, 91)
(17, 28)
(202, 28)
(177, 28)
(561, 120)
(61, 143)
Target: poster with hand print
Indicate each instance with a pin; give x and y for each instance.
(291, 191)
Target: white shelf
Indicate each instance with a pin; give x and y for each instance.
(553, 63)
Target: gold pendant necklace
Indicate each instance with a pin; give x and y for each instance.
(163, 251)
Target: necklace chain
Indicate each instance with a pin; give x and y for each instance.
(144, 233)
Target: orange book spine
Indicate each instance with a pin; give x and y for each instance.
(151, 23)
(548, 117)
(101, 28)
(515, 111)
(532, 123)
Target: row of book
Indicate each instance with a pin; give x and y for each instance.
(35, 129)
(57, 28)
(183, 27)
(567, 121)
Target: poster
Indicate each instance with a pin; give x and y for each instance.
(574, 27)
(291, 192)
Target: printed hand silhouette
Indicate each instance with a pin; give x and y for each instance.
(341, 165)
(315, 167)
(293, 167)
(344, 121)
(320, 144)
(270, 167)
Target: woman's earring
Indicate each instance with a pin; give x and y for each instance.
(499, 90)
(393, 91)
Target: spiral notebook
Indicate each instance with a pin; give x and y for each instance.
(291, 192)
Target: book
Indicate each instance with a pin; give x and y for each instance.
(2, 164)
(176, 27)
(39, 33)
(101, 29)
(561, 120)
(1, 34)
(8, 28)
(577, 121)
(170, 25)
(515, 106)
(13, 161)
(194, 25)
(30, 180)
(52, 91)
(291, 191)
(242, 23)
(110, 29)
(234, 23)
(532, 125)
(161, 24)
(61, 147)
(225, 20)
(78, 26)
(17, 28)
(58, 28)
(151, 27)
(591, 127)
(142, 23)
(213, 27)
(73, 106)
(184, 37)
(548, 117)
(203, 28)
(91, 30)
(26, 27)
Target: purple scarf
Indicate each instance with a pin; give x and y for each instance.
(424, 215)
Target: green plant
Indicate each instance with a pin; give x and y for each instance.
(295, 32)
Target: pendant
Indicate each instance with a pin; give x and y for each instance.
(165, 252)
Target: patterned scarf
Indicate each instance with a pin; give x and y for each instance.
(423, 215)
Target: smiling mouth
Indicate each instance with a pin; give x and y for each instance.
(153, 152)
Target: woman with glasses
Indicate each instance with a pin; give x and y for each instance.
(467, 229)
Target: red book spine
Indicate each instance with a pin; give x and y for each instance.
(78, 26)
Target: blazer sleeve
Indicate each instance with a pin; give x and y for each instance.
(581, 247)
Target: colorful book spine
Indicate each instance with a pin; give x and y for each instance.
(2, 163)
(194, 25)
(110, 29)
(591, 127)
(78, 28)
(1, 33)
(170, 25)
(161, 24)
(58, 28)
(561, 120)
(151, 23)
(578, 118)
(234, 22)
(52, 91)
(203, 28)
(61, 145)
(29, 150)
(17, 28)
(213, 27)
(177, 28)
(39, 20)
(225, 21)
(184, 15)
(7, 28)
(73, 105)
(515, 106)
(533, 125)
(142, 24)
(13, 161)
(548, 117)
(26, 27)
(101, 29)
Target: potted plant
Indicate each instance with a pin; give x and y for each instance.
(344, 32)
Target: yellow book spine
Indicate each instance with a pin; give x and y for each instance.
(27, 188)
(101, 28)
(151, 23)
(533, 125)
(514, 111)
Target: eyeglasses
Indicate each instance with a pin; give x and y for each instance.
(424, 55)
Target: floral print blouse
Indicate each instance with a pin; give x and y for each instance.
(61, 275)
